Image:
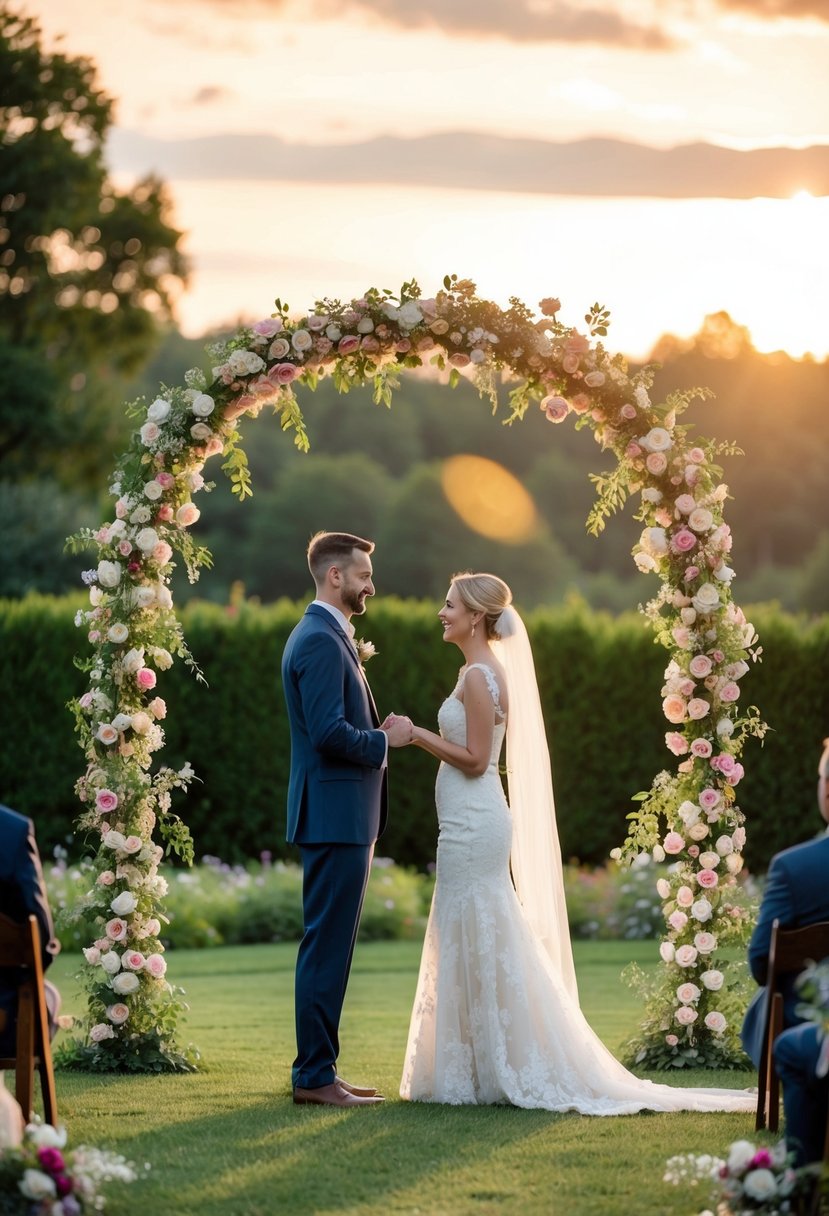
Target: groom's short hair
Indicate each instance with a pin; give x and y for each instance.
(328, 549)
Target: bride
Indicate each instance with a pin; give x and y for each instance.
(496, 1016)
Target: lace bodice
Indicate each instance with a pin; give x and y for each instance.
(452, 713)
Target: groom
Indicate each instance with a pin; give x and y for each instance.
(337, 802)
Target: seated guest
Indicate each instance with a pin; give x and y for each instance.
(796, 894)
(805, 1095)
(22, 894)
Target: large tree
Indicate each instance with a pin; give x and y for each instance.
(87, 273)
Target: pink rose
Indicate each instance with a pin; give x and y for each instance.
(106, 878)
(686, 687)
(402, 346)
(700, 666)
(709, 798)
(678, 920)
(656, 462)
(348, 344)
(145, 677)
(674, 708)
(633, 450)
(685, 1015)
(723, 763)
(697, 708)
(164, 513)
(688, 993)
(124, 548)
(580, 403)
(116, 929)
(697, 456)
(701, 748)
(683, 541)
(671, 1040)
(158, 707)
(685, 503)
(691, 572)
(156, 964)
(106, 801)
(686, 956)
(673, 843)
(685, 897)
(458, 359)
(730, 691)
(268, 328)
(100, 1032)
(121, 509)
(165, 480)
(705, 943)
(570, 364)
(736, 775)
(707, 879)
(555, 408)
(133, 844)
(118, 1014)
(162, 553)
(187, 514)
(676, 743)
(576, 343)
(133, 960)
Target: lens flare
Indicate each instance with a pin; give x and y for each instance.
(489, 499)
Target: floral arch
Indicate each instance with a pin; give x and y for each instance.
(689, 816)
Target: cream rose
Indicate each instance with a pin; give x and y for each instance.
(125, 982)
(124, 904)
(204, 405)
(109, 573)
(713, 980)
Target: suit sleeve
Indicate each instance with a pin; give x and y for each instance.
(776, 905)
(29, 877)
(319, 670)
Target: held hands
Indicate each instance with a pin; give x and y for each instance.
(399, 730)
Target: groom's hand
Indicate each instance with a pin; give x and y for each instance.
(398, 729)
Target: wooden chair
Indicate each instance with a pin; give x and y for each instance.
(789, 953)
(20, 949)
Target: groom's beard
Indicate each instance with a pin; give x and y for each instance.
(356, 601)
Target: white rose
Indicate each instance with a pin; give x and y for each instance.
(107, 734)
(37, 1186)
(144, 596)
(656, 440)
(122, 722)
(147, 539)
(760, 1184)
(700, 519)
(689, 615)
(125, 982)
(149, 433)
(739, 1156)
(109, 573)
(200, 431)
(667, 950)
(302, 340)
(141, 515)
(701, 910)
(709, 861)
(707, 598)
(111, 962)
(713, 980)
(163, 596)
(365, 325)
(654, 541)
(124, 903)
(651, 495)
(117, 528)
(734, 863)
(96, 596)
(409, 314)
(159, 410)
(162, 658)
(663, 887)
(152, 490)
(118, 633)
(725, 728)
(205, 405)
(132, 660)
(644, 563)
(724, 845)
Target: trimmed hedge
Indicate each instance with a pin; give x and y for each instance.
(599, 677)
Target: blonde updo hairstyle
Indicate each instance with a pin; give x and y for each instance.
(484, 593)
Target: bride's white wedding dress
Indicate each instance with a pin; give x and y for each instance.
(495, 1019)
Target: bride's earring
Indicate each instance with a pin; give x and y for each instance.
(473, 628)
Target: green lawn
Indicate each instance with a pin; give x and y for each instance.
(229, 1140)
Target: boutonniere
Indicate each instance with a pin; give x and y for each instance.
(365, 650)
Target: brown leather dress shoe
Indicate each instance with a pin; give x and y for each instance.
(332, 1095)
(359, 1091)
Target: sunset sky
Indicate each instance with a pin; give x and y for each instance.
(668, 158)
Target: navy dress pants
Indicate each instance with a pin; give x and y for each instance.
(334, 878)
(805, 1095)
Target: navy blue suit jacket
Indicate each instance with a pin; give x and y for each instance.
(22, 893)
(337, 789)
(796, 894)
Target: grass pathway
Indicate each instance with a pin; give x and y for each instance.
(229, 1142)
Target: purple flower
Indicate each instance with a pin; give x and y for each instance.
(88, 577)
